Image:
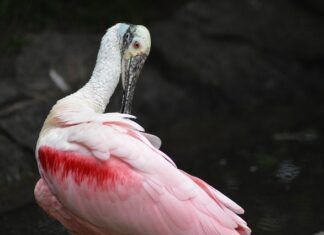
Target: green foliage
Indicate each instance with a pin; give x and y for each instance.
(13, 45)
(38, 14)
(18, 17)
(265, 161)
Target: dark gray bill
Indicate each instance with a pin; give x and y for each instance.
(131, 69)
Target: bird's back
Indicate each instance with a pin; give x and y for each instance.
(135, 190)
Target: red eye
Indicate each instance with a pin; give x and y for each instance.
(136, 45)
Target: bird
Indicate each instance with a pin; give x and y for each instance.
(102, 174)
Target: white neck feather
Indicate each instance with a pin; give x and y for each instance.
(106, 73)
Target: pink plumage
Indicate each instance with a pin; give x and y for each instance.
(102, 175)
(135, 191)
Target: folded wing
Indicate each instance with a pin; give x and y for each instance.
(122, 184)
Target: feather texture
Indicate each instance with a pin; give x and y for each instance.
(106, 172)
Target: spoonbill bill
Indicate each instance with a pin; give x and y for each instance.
(101, 174)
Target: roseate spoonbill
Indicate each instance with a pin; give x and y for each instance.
(102, 175)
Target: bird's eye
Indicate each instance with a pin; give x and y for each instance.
(136, 45)
(127, 35)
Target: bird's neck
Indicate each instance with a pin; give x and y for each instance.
(105, 76)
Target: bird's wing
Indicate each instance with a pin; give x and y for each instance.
(65, 115)
(134, 189)
(89, 135)
(228, 205)
(154, 140)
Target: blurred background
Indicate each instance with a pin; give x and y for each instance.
(235, 90)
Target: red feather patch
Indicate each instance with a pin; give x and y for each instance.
(63, 164)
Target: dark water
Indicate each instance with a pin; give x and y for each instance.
(274, 172)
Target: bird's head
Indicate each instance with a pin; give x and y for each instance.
(135, 45)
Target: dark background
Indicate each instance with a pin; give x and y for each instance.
(234, 88)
